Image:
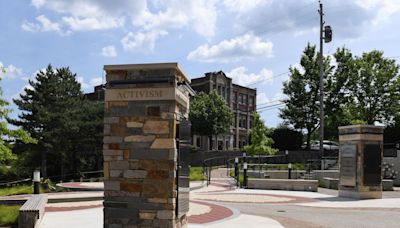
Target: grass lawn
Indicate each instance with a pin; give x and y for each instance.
(196, 174)
(17, 190)
(8, 215)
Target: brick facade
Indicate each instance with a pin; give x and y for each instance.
(241, 100)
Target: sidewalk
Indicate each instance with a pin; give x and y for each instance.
(208, 206)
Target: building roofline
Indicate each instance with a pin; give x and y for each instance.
(167, 65)
(233, 84)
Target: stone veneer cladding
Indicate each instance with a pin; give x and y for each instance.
(140, 159)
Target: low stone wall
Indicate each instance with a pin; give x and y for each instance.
(320, 174)
(255, 174)
(283, 174)
(284, 184)
(387, 185)
(331, 183)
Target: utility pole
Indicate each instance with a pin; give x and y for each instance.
(327, 38)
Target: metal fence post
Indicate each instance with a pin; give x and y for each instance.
(245, 175)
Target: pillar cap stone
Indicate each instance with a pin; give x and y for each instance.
(360, 129)
(153, 66)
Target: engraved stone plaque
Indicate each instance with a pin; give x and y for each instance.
(348, 164)
(372, 164)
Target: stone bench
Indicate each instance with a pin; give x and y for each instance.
(387, 185)
(331, 183)
(284, 184)
(32, 211)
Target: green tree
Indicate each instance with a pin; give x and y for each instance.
(9, 136)
(286, 138)
(54, 112)
(337, 95)
(374, 88)
(260, 143)
(210, 115)
(302, 89)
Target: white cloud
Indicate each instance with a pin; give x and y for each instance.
(235, 49)
(10, 72)
(241, 76)
(201, 15)
(92, 23)
(148, 16)
(349, 19)
(262, 99)
(109, 51)
(91, 8)
(141, 41)
(38, 3)
(96, 81)
(299, 67)
(243, 5)
(22, 91)
(77, 15)
(44, 25)
(89, 85)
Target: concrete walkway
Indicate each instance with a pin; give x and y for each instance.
(222, 205)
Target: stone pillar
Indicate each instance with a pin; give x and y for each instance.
(360, 158)
(143, 105)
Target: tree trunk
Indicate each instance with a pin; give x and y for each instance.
(44, 164)
(74, 162)
(210, 142)
(62, 168)
(308, 138)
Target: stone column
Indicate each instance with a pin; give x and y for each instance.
(360, 158)
(143, 104)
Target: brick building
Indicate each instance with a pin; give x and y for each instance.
(241, 100)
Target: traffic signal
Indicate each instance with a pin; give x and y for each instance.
(328, 34)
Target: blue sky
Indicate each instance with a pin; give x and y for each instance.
(254, 42)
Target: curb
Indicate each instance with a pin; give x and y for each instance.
(204, 184)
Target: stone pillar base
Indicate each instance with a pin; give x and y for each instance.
(360, 195)
(182, 222)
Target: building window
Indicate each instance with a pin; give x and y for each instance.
(235, 121)
(243, 121)
(198, 141)
(235, 97)
(220, 143)
(227, 145)
(240, 101)
(251, 122)
(251, 100)
(244, 99)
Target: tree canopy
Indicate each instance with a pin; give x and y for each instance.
(302, 90)
(210, 115)
(8, 135)
(358, 89)
(54, 112)
(260, 143)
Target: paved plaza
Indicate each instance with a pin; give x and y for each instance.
(222, 205)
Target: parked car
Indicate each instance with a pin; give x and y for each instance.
(328, 145)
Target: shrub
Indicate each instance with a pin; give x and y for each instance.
(286, 139)
(8, 215)
(196, 174)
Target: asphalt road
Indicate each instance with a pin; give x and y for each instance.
(312, 217)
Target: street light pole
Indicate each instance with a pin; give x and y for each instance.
(325, 34)
(321, 85)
